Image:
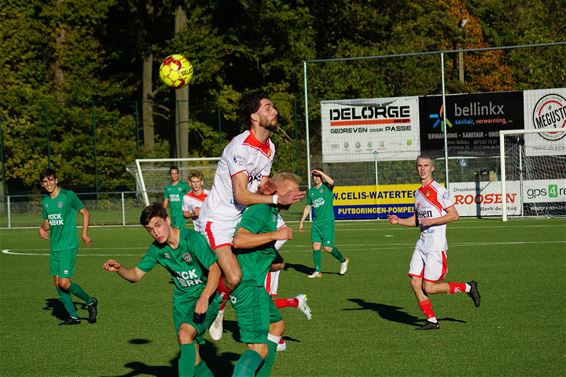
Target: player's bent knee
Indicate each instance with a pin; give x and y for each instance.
(186, 334)
(328, 249)
(64, 284)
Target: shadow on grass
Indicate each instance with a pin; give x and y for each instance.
(219, 364)
(58, 310)
(394, 313)
(305, 269)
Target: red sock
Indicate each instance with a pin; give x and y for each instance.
(456, 287)
(426, 307)
(223, 304)
(223, 291)
(286, 302)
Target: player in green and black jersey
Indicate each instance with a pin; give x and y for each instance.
(185, 254)
(59, 211)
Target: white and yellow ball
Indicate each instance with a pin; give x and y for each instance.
(176, 71)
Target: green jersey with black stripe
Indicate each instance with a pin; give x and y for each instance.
(61, 213)
(188, 264)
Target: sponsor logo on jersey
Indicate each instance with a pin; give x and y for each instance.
(188, 278)
(55, 219)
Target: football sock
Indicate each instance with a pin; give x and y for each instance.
(187, 360)
(338, 255)
(316, 258)
(223, 305)
(202, 370)
(426, 308)
(265, 369)
(286, 302)
(248, 364)
(67, 301)
(456, 287)
(80, 293)
(222, 290)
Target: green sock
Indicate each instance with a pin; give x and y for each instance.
(187, 360)
(202, 370)
(317, 259)
(248, 364)
(338, 255)
(67, 301)
(80, 293)
(269, 360)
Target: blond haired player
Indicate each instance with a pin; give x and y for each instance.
(433, 210)
(193, 200)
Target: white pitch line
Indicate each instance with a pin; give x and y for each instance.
(8, 252)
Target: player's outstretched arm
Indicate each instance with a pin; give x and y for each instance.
(133, 275)
(86, 223)
(407, 221)
(214, 273)
(244, 239)
(245, 197)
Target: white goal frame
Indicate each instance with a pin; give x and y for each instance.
(140, 161)
(502, 135)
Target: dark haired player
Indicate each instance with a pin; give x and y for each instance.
(186, 255)
(59, 211)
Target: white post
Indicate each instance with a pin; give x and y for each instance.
(142, 183)
(376, 181)
(123, 209)
(9, 211)
(444, 124)
(502, 168)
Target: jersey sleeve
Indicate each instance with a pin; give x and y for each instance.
(444, 198)
(165, 193)
(236, 159)
(308, 199)
(149, 261)
(200, 248)
(43, 210)
(75, 201)
(186, 203)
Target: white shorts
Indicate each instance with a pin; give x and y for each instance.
(218, 234)
(272, 282)
(428, 265)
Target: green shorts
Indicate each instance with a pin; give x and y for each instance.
(323, 233)
(62, 262)
(178, 221)
(184, 312)
(255, 311)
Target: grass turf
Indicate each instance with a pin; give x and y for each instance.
(363, 323)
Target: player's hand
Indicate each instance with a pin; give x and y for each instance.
(202, 306)
(393, 219)
(301, 226)
(196, 212)
(291, 197)
(87, 240)
(268, 188)
(43, 234)
(284, 233)
(111, 265)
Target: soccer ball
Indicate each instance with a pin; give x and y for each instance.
(176, 71)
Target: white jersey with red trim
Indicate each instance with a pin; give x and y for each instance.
(192, 201)
(431, 201)
(243, 154)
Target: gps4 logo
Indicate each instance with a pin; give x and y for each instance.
(551, 192)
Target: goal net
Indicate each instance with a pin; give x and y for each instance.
(152, 175)
(533, 172)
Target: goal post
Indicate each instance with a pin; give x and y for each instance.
(152, 174)
(533, 171)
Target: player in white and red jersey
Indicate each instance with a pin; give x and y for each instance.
(241, 179)
(433, 210)
(192, 202)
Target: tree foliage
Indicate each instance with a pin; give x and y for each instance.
(71, 70)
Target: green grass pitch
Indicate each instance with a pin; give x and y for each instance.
(363, 323)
